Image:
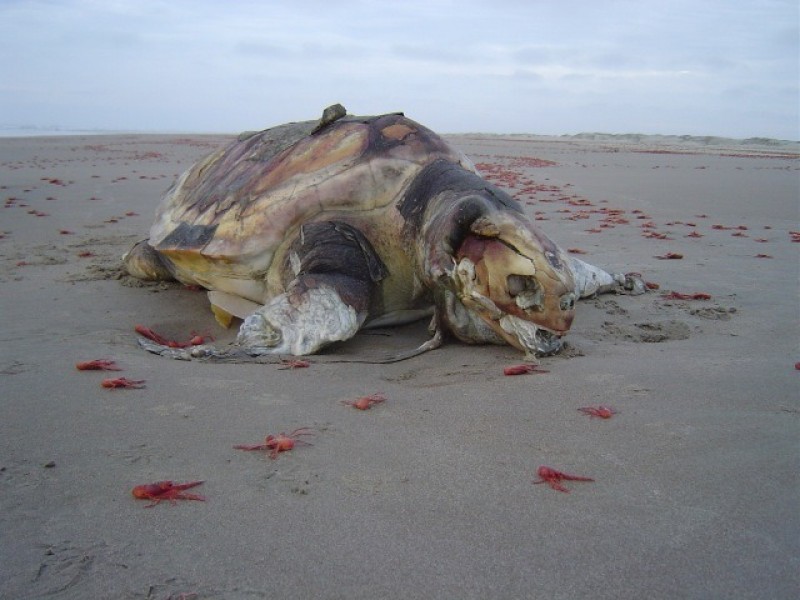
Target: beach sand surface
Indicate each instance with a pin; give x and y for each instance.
(429, 494)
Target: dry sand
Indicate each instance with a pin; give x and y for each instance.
(428, 495)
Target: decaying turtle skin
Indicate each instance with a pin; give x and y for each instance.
(309, 231)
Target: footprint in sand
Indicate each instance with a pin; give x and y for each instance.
(648, 332)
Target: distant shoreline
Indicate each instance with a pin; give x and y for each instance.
(710, 140)
(28, 132)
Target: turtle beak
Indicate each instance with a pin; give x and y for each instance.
(528, 337)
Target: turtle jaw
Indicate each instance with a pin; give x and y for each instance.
(529, 337)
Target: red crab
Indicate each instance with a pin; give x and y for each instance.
(282, 442)
(554, 478)
(523, 370)
(670, 256)
(196, 339)
(294, 363)
(365, 402)
(122, 382)
(165, 490)
(681, 296)
(98, 365)
(602, 412)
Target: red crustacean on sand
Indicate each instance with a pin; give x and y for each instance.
(283, 442)
(165, 490)
(99, 364)
(554, 478)
(198, 339)
(523, 370)
(601, 412)
(365, 402)
(294, 363)
(681, 296)
(122, 382)
(195, 340)
(152, 335)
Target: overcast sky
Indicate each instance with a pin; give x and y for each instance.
(699, 67)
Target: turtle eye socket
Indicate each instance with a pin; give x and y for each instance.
(567, 301)
(526, 291)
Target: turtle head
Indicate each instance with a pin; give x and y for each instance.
(494, 276)
(515, 281)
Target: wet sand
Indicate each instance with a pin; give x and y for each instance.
(430, 494)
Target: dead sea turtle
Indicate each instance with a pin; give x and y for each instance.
(309, 231)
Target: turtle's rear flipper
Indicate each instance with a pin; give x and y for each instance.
(144, 263)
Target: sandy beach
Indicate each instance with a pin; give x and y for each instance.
(429, 494)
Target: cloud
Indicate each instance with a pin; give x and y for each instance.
(432, 53)
(459, 65)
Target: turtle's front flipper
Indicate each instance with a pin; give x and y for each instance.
(336, 270)
(299, 322)
(591, 280)
(311, 315)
